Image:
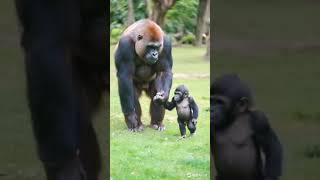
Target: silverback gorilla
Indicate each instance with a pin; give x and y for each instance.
(244, 145)
(144, 63)
(64, 44)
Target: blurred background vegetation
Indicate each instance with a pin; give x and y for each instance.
(186, 21)
(274, 46)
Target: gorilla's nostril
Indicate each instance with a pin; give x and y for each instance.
(155, 54)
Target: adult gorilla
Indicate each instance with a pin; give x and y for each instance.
(144, 62)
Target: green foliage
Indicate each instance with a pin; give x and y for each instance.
(140, 10)
(182, 17)
(118, 13)
(115, 35)
(188, 39)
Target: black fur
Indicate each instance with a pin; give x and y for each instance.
(189, 118)
(231, 103)
(132, 81)
(66, 68)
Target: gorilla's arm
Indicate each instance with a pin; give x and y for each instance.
(170, 105)
(163, 80)
(270, 145)
(194, 107)
(125, 66)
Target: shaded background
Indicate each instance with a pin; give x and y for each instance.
(18, 159)
(275, 47)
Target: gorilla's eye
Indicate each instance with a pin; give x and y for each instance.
(139, 37)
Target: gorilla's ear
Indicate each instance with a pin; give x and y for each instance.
(243, 105)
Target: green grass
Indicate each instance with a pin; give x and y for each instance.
(285, 80)
(157, 155)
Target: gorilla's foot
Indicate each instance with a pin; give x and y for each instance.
(158, 127)
(140, 127)
(182, 137)
(132, 122)
(192, 134)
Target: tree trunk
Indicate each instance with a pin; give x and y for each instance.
(160, 9)
(208, 46)
(148, 7)
(131, 18)
(201, 19)
(207, 29)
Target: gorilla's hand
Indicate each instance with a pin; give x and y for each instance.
(195, 121)
(132, 122)
(160, 98)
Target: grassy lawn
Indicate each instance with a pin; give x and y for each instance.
(157, 155)
(285, 80)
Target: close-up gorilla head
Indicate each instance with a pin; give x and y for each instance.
(229, 96)
(149, 42)
(180, 93)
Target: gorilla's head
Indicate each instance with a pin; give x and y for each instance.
(229, 96)
(180, 93)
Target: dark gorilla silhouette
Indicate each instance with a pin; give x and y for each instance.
(64, 44)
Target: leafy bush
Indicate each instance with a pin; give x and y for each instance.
(115, 35)
(182, 17)
(188, 39)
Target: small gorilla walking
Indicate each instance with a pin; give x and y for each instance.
(243, 143)
(187, 110)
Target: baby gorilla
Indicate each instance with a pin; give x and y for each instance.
(243, 143)
(187, 110)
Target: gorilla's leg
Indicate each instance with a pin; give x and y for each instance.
(192, 127)
(182, 128)
(50, 87)
(157, 112)
(89, 81)
(138, 109)
(89, 152)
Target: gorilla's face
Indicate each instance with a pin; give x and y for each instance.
(180, 93)
(149, 51)
(224, 109)
(220, 110)
(178, 96)
(152, 52)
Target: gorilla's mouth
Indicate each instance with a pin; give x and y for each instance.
(151, 61)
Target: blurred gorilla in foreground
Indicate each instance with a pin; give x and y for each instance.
(243, 143)
(64, 45)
